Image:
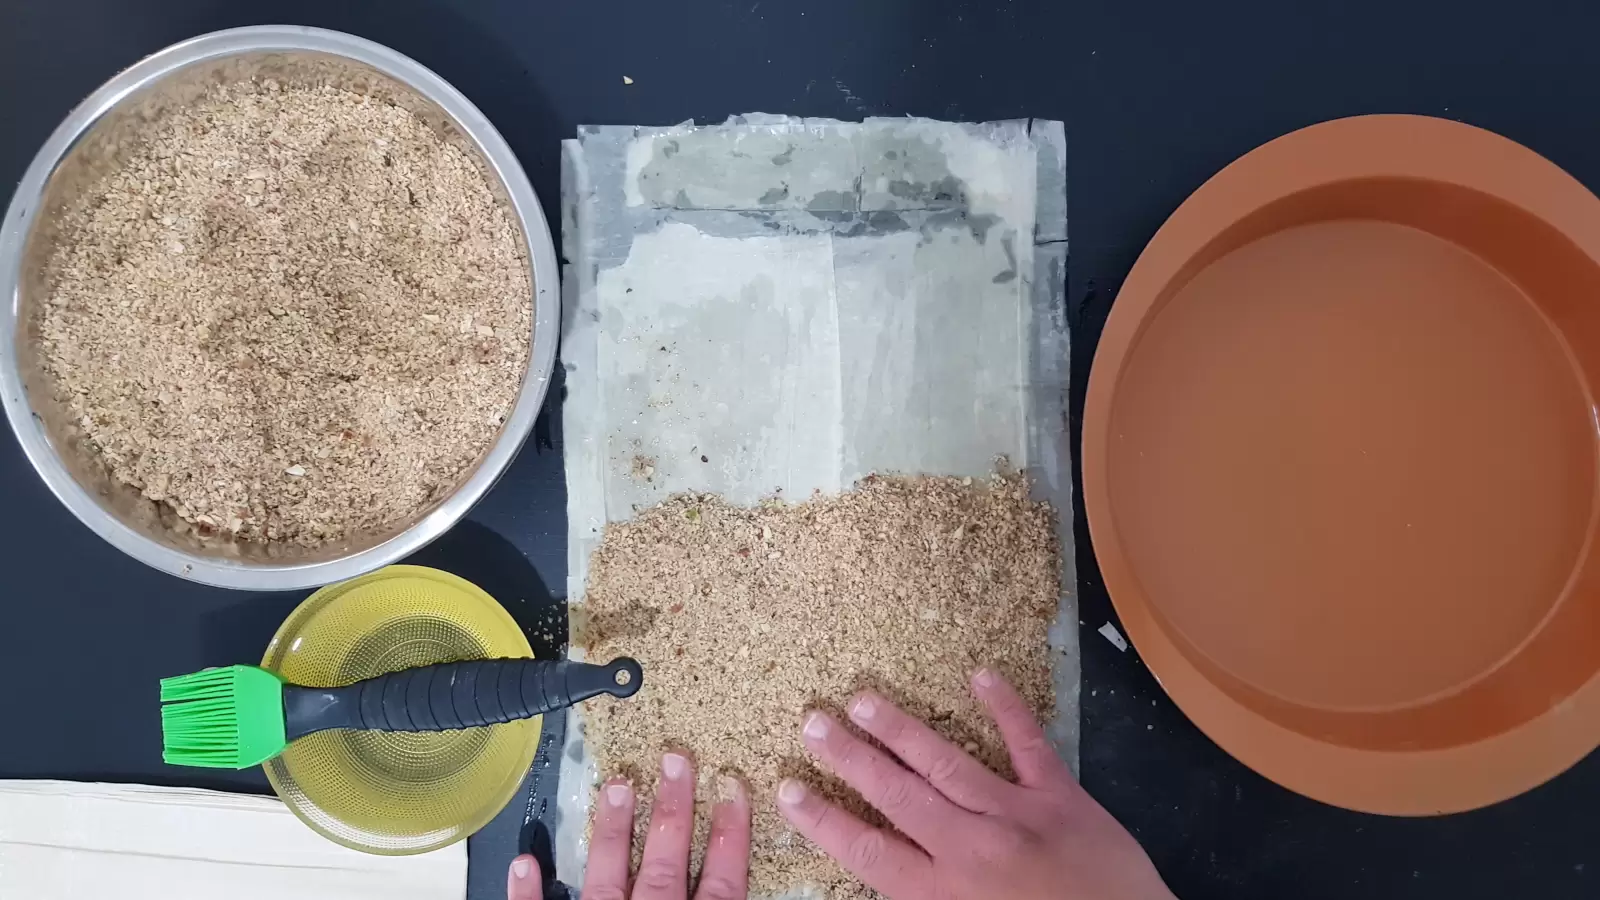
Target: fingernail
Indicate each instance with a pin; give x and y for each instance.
(729, 789)
(673, 766)
(791, 792)
(617, 794)
(984, 677)
(816, 726)
(520, 867)
(864, 708)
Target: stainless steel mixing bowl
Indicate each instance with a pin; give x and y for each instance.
(86, 145)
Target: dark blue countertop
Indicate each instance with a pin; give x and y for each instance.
(1156, 97)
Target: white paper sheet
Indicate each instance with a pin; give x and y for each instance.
(70, 841)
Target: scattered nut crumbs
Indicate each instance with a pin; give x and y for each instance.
(903, 584)
(294, 314)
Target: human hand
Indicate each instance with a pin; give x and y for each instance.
(968, 833)
(664, 871)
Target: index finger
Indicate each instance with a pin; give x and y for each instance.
(1035, 760)
(907, 801)
(664, 867)
(611, 845)
(951, 770)
(726, 872)
(882, 861)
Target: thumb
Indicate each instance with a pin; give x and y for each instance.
(522, 882)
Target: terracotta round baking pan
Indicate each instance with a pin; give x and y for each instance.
(1339, 461)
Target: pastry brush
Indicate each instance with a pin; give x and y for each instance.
(240, 716)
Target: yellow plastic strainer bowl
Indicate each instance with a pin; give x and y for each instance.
(392, 793)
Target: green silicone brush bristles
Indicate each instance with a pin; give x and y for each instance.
(229, 718)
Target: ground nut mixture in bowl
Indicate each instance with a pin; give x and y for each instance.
(289, 304)
(296, 314)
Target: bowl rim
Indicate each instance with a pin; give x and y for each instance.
(497, 154)
(1411, 783)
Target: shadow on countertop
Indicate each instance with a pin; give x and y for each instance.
(488, 560)
(239, 632)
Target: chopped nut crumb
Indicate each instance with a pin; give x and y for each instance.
(736, 649)
(642, 467)
(243, 295)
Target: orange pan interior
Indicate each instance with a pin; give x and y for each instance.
(1339, 463)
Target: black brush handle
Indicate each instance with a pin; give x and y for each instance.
(454, 695)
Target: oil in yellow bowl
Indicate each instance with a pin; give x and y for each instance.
(396, 793)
